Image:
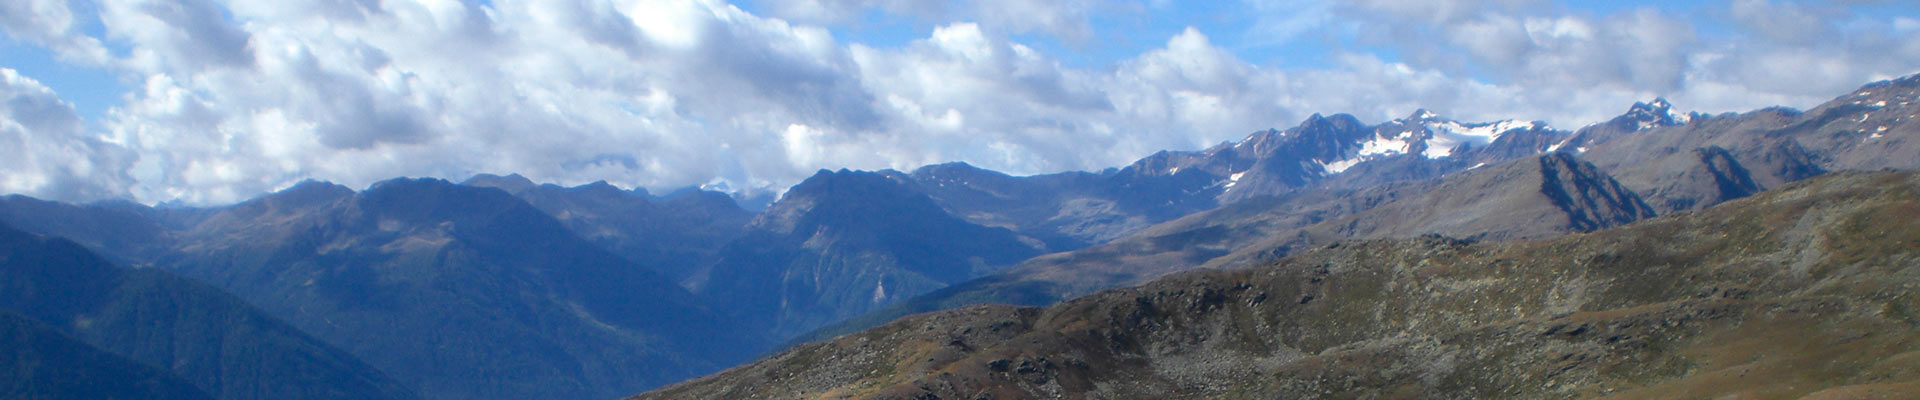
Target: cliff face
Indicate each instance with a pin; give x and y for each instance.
(1801, 291)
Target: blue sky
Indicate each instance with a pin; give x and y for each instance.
(213, 101)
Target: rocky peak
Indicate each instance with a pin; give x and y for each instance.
(1653, 114)
(512, 183)
(311, 192)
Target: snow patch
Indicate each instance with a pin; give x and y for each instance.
(1235, 178)
(1384, 146)
(1581, 149)
(1556, 146)
(1340, 166)
(1450, 135)
(1476, 166)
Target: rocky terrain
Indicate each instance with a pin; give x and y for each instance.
(1805, 290)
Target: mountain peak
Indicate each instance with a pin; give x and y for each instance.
(310, 192)
(512, 183)
(1656, 113)
(1422, 115)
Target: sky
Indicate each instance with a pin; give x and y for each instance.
(206, 102)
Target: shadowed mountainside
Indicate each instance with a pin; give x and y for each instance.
(211, 339)
(43, 364)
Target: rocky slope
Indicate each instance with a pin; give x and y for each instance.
(1800, 291)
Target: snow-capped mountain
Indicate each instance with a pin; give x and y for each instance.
(1422, 145)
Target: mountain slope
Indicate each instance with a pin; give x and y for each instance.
(842, 243)
(213, 340)
(1802, 291)
(43, 364)
(466, 292)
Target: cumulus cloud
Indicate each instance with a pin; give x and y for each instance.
(46, 152)
(232, 99)
(1068, 19)
(51, 24)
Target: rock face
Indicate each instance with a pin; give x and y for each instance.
(843, 243)
(203, 337)
(1801, 291)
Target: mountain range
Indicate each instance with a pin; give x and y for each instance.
(1587, 179)
(498, 286)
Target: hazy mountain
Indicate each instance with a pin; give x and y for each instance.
(1064, 211)
(211, 339)
(677, 235)
(465, 292)
(1795, 292)
(842, 243)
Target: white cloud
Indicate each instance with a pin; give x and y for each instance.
(1066, 19)
(51, 24)
(44, 150)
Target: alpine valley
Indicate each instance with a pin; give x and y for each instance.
(1767, 254)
